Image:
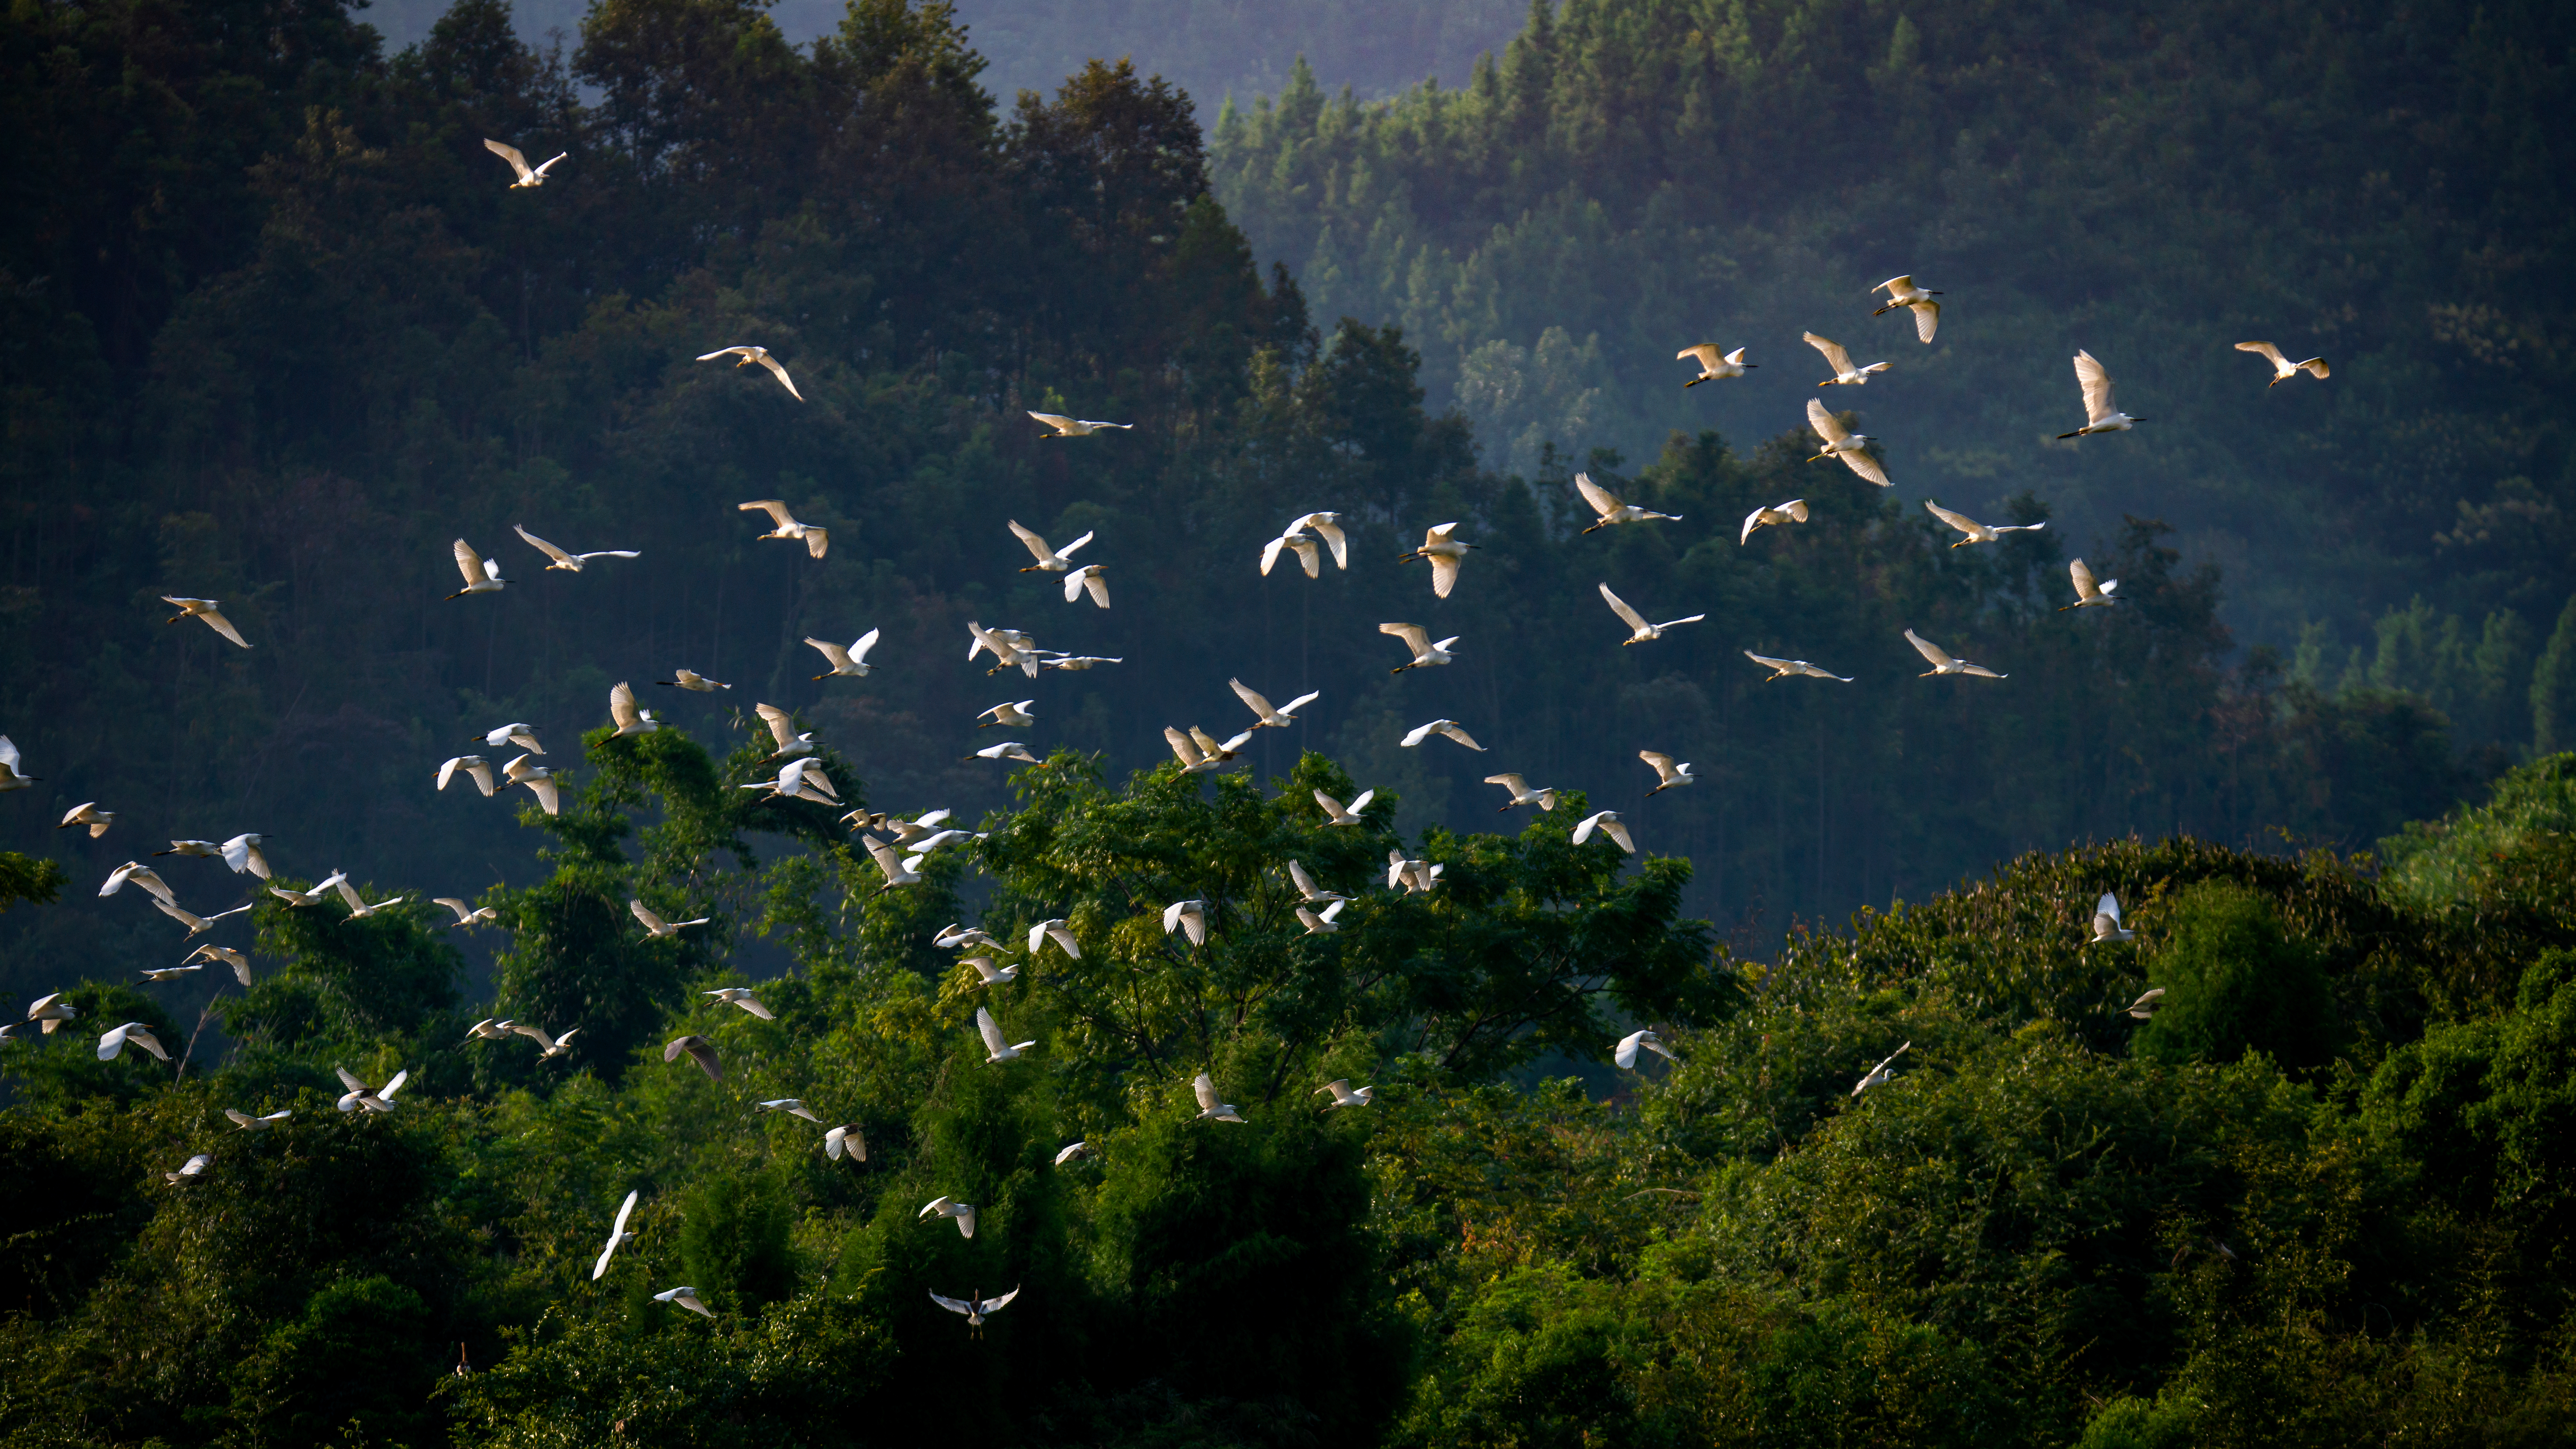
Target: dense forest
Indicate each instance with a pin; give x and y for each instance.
(292, 335)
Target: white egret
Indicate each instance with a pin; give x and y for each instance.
(1608, 823)
(1792, 668)
(170, 973)
(1418, 639)
(698, 1049)
(1610, 510)
(801, 778)
(359, 910)
(51, 1011)
(1057, 930)
(1188, 916)
(847, 1141)
(208, 610)
(1668, 776)
(1840, 361)
(1880, 1074)
(1901, 292)
(196, 924)
(1012, 715)
(565, 559)
(1009, 750)
(1010, 648)
(2106, 921)
(90, 815)
(686, 1296)
(692, 681)
(195, 849)
(623, 713)
(1344, 1094)
(1309, 557)
(1522, 794)
(1211, 1106)
(2100, 415)
(898, 869)
(953, 937)
(851, 662)
(320, 892)
(1712, 366)
(1448, 728)
(1323, 922)
(1049, 659)
(190, 1169)
(1049, 560)
(1793, 511)
(1070, 1151)
(655, 927)
(141, 875)
(988, 974)
(491, 1028)
(1087, 577)
(1625, 1054)
(1842, 443)
(2088, 594)
(374, 1099)
(974, 1310)
(792, 1106)
(2283, 369)
(908, 833)
(1639, 631)
(741, 996)
(530, 177)
(996, 1049)
(1942, 663)
(476, 767)
(750, 355)
(482, 575)
(1444, 553)
(1336, 813)
(1216, 749)
(517, 732)
(227, 956)
(554, 1046)
(244, 855)
(245, 1122)
(10, 778)
(2146, 1007)
(1264, 716)
(1417, 876)
(1977, 532)
(1066, 427)
(782, 729)
(817, 541)
(1328, 527)
(618, 1235)
(1307, 890)
(133, 1033)
(1185, 748)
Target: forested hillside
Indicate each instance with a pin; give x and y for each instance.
(2380, 183)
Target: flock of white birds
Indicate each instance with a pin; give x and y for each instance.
(801, 777)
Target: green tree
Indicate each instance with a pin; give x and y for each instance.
(2235, 981)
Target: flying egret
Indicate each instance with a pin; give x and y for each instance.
(1901, 292)
(490, 1028)
(750, 355)
(170, 973)
(482, 575)
(190, 1169)
(1010, 715)
(530, 177)
(227, 956)
(133, 1033)
(2100, 415)
(374, 1099)
(1189, 917)
(1265, 717)
(1443, 552)
(1009, 750)
(1792, 668)
(898, 869)
(196, 849)
(801, 778)
(623, 713)
(1010, 648)
(1049, 560)
(1220, 750)
(988, 974)
(699, 1050)
(518, 732)
(1942, 663)
(909, 832)
(1977, 532)
(1610, 510)
(1049, 659)
(1328, 527)
(782, 729)
(1087, 577)
(244, 855)
(475, 767)
(1608, 823)
(692, 681)
(1840, 361)
(1639, 631)
(1712, 367)
(208, 610)
(618, 1235)
(1418, 639)
(847, 1141)
(565, 559)
(1793, 511)
(2283, 369)
(10, 778)
(90, 815)
(539, 781)
(2146, 1007)
(1336, 813)
(141, 875)
(1880, 1074)
(1445, 727)
(741, 996)
(1668, 776)
(851, 662)
(1307, 890)
(817, 541)
(245, 1122)
(792, 1106)
(1323, 922)
(197, 924)
(1185, 748)
(996, 1049)
(2106, 921)
(2087, 593)
(1057, 930)
(1842, 443)
(1418, 877)
(1309, 557)
(320, 892)
(1066, 427)
(974, 1310)
(1211, 1106)
(953, 937)
(1070, 1151)
(1625, 1054)
(358, 908)
(554, 1046)
(655, 927)
(685, 1296)
(1522, 794)
(1344, 1094)
(51, 1011)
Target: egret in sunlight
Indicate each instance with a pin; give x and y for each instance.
(1841, 442)
(208, 610)
(618, 1236)
(2106, 921)
(190, 1169)
(1336, 813)
(2088, 594)
(482, 575)
(1977, 532)
(520, 733)
(1265, 717)
(1087, 577)
(1444, 553)
(1417, 877)
(90, 815)
(565, 559)
(2146, 1006)
(1344, 1094)
(739, 996)
(320, 892)
(48, 1012)
(170, 973)
(1418, 639)
(898, 870)
(1712, 367)
(1212, 1107)
(1882, 1073)
(1049, 560)
(10, 777)
(530, 177)
(974, 1309)
(851, 662)
(1609, 509)
(539, 781)
(133, 1033)
(623, 713)
(195, 849)
(1521, 793)
(2283, 369)
(995, 1048)
(1010, 715)
(692, 681)
(243, 854)
(1668, 776)
(1301, 535)
(750, 355)
(245, 1122)
(658, 929)
(1792, 669)
(1323, 922)
(988, 974)
(1066, 427)
(698, 1049)
(783, 525)
(1054, 929)
(1309, 557)
(1793, 511)
(1188, 917)
(801, 778)
(846, 1142)
(199, 924)
(2100, 414)
(359, 909)
(1307, 890)
(1901, 292)
(1070, 1151)
(1446, 728)
(227, 956)
(139, 874)
(475, 767)
(791, 742)
(792, 1106)
(1608, 823)
(686, 1296)
(1625, 1054)
(1010, 750)
(1639, 631)
(374, 1099)
(1840, 361)
(1942, 663)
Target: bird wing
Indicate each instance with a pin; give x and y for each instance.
(1959, 521)
(1626, 1054)
(1205, 1087)
(1980, 671)
(192, 922)
(1270, 553)
(1796, 508)
(1601, 500)
(543, 787)
(776, 508)
(818, 541)
(1835, 357)
(2109, 905)
(1331, 533)
(511, 154)
(1091, 579)
(779, 371)
(621, 706)
(1037, 546)
(548, 549)
(1618, 830)
(1252, 699)
(1453, 731)
(2317, 368)
(386, 1092)
(470, 563)
(1892, 284)
(1930, 651)
(1866, 466)
(781, 728)
(1057, 421)
(1415, 636)
(2270, 352)
(1620, 607)
(1927, 320)
(991, 1030)
(1662, 763)
(957, 1305)
(1706, 352)
(1825, 424)
(8, 753)
(1513, 783)
(216, 621)
(1766, 661)
(652, 922)
(2097, 387)
(2085, 587)
(1184, 747)
(1289, 711)
(885, 857)
(1444, 575)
